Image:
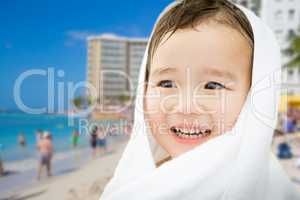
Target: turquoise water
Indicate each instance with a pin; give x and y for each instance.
(12, 124)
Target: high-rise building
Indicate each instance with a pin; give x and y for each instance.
(253, 5)
(113, 65)
(283, 17)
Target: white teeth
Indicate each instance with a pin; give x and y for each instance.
(193, 133)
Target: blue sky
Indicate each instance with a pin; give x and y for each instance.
(37, 34)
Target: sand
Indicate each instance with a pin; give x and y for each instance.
(88, 182)
(289, 165)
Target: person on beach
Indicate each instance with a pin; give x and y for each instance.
(1, 162)
(75, 138)
(205, 110)
(38, 135)
(45, 149)
(101, 140)
(93, 140)
(113, 130)
(1, 168)
(22, 140)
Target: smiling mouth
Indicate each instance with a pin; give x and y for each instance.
(190, 134)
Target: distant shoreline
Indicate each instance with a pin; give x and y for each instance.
(67, 113)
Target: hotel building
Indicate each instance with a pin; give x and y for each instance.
(113, 65)
(283, 17)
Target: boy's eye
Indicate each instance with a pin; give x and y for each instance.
(166, 84)
(214, 85)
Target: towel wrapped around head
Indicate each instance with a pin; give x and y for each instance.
(236, 165)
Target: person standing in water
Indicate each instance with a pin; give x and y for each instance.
(75, 138)
(45, 148)
(39, 135)
(22, 140)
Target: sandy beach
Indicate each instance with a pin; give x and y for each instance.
(289, 165)
(87, 183)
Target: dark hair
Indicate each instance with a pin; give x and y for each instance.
(188, 13)
(94, 130)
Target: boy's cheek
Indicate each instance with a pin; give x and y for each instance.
(151, 101)
(161, 103)
(234, 105)
(156, 118)
(152, 106)
(158, 124)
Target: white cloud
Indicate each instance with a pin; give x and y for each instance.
(79, 35)
(74, 36)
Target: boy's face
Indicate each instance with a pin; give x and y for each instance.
(198, 82)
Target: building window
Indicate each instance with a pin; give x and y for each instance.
(291, 14)
(278, 15)
(244, 3)
(291, 33)
(278, 32)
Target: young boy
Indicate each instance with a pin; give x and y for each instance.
(202, 69)
(199, 70)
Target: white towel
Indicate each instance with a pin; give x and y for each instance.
(237, 165)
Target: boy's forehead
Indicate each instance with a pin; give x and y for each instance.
(204, 48)
(209, 39)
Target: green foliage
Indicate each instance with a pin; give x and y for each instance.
(294, 51)
(81, 101)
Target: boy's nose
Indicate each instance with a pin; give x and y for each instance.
(189, 103)
(183, 103)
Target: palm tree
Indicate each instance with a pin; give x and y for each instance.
(78, 102)
(294, 51)
(82, 101)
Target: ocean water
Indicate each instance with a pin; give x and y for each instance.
(12, 124)
(21, 163)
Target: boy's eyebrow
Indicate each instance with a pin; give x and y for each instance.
(163, 70)
(208, 71)
(220, 73)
